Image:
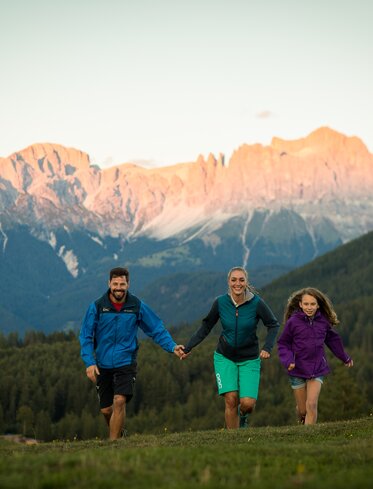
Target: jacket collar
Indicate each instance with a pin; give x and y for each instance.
(248, 296)
(300, 314)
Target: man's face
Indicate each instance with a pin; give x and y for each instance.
(118, 288)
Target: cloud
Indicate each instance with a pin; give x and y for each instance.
(264, 114)
(145, 163)
(106, 162)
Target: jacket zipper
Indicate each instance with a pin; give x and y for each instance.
(236, 330)
(310, 322)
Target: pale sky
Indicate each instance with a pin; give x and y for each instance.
(162, 81)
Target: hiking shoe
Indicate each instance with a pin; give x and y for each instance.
(244, 420)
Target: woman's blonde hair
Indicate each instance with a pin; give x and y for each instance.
(324, 303)
(249, 287)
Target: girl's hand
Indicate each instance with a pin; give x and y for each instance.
(350, 363)
(291, 366)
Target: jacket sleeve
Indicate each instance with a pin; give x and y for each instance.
(284, 346)
(87, 336)
(334, 342)
(270, 322)
(207, 324)
(153, 326)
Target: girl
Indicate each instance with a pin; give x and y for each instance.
(309, 319)
(237, 358)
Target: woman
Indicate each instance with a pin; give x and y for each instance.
(237, 358)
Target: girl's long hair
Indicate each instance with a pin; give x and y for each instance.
(249, 287)
(325, 304)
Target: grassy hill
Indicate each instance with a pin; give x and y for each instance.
(330, 455)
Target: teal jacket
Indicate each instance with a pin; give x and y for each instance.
(238, 340)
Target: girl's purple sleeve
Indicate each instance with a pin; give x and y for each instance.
(334, 342)
(284, 346)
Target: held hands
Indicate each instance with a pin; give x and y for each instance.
(179, 351)
(92, 373)
(185, 354)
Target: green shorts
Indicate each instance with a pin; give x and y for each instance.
(231, 376)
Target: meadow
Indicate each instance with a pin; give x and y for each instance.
(327, 455)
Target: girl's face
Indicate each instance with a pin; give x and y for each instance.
(309, 305)
(237, 282)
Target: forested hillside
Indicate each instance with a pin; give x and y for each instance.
(45, 393)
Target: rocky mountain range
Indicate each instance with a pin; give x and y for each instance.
(65, 222)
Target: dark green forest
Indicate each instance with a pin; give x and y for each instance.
(45, 393)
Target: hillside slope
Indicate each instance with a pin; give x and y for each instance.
(326, 456)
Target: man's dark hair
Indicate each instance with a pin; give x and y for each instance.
(119, 272)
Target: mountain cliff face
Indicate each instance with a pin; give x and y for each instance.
(268, 206)
(58, 186)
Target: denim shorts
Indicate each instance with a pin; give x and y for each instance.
(299, 382)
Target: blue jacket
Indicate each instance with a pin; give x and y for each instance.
(108, 338)
(238, 340)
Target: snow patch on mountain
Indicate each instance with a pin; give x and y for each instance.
(70, 260)
(173, 220)
(246, 249)
(208, 227)
(97, 240)
(52, 240)
(4, 236)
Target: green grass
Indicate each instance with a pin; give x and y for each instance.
(327, 455)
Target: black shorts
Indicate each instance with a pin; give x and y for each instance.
(112, 381)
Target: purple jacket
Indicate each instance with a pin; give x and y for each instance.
(302, 342)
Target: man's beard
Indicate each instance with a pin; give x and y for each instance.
(118, 294)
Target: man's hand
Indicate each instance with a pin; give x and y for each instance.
(92, 373)
(179, 351)
(350, 363)
(264, 354)
(185, 354)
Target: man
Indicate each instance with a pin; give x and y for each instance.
(109, 345)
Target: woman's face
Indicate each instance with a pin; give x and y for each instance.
(237, 282)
